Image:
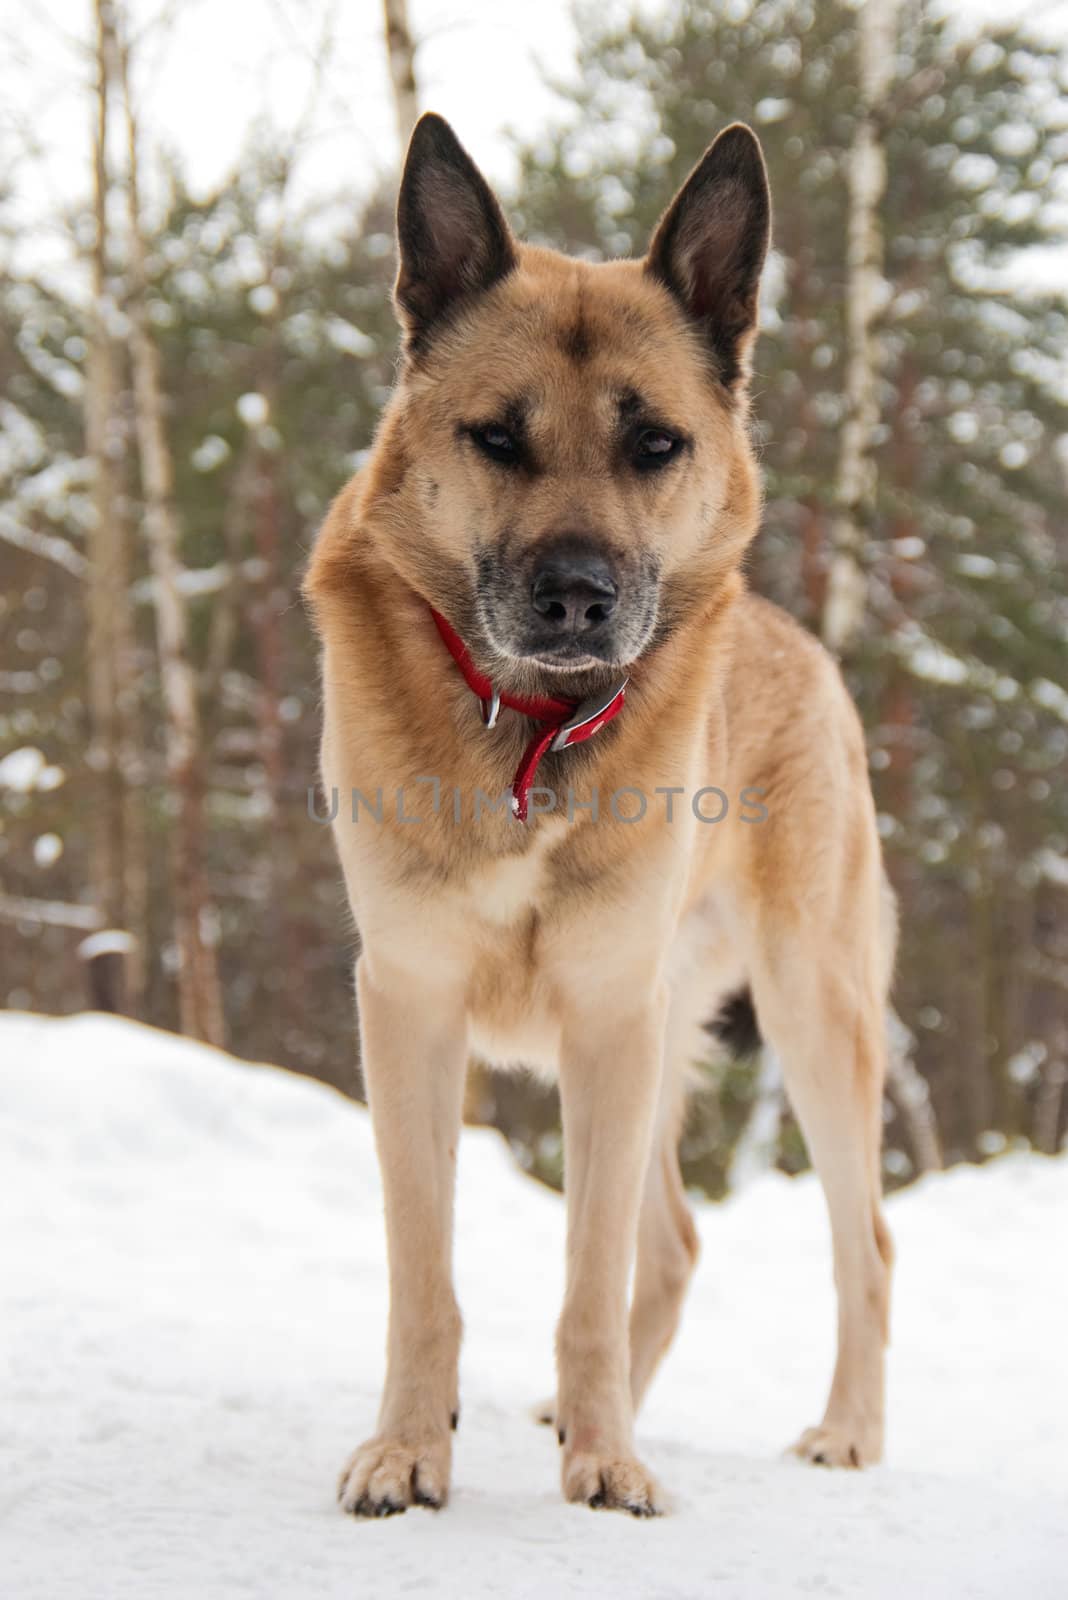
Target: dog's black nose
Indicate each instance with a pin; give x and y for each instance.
(573, 589)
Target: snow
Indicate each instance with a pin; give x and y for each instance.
(193, 1299)
(21, 769)
(1053, 867)
(47, 849)
(108, 942)
(24, 770)
(1052, 696)
(253, 409)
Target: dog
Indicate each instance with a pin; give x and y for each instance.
(543, 676)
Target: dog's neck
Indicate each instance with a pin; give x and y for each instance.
(383, 640)
(560, 723)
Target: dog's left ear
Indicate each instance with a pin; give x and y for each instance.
(710, 245)
(452, 238)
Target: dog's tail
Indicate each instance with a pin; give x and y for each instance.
(735, 1026)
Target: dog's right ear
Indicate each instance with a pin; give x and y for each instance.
(452, 238)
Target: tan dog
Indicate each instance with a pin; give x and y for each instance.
(559, 498)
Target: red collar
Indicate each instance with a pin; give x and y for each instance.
(567, 722)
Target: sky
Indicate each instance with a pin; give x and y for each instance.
(208, 71)
(209, 68)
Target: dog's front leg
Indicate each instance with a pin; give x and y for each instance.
(611, 1060)
(414, 1054)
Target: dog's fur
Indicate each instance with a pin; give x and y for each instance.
(593, 948)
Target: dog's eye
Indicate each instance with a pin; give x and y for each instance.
(655, 448)
(497, 443)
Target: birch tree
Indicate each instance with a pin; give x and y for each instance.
(199, 994)
(843, 613)
(106, 567)
(400, 47)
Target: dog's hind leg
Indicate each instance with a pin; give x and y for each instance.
(821, 1005)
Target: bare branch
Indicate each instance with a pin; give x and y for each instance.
(54, 913)
(47, 545)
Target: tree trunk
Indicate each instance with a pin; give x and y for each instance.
(1050, 1096)
(135, 839)
(199, 994)
(107, 578)
(401, 50)
(910, 1093)
(843, 613)
(757, 1148)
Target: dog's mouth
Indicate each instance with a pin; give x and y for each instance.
(573, 608)
(576, 659)
(569, 655)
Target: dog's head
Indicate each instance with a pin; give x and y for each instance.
(575, 434)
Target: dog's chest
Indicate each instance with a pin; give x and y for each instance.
(503, 910)
(505, 891)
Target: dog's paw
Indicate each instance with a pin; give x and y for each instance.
(839, 1445)
(614, 1483)
(385, 1476)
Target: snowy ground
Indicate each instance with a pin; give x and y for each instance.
(192, 1307)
